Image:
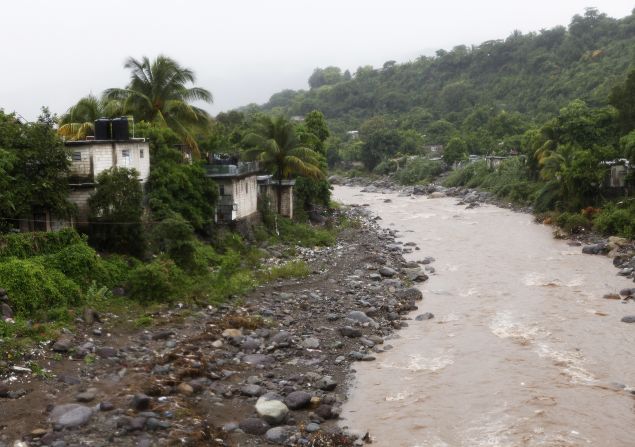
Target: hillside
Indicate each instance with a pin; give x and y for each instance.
(534, 74)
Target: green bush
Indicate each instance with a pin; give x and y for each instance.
(78, 262)
(573, 223)
(26, 245)
(160, 280)
(293, 269)
(419, 170)
(616, 220)
(303, 235)
(34, 287)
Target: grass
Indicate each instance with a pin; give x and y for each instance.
(288, 270)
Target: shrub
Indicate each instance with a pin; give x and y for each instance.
(615, 220)
(79, 262)
(419, 170)
(26, 245)
(573, 223)
(303, 234)
(33, 287)
(293, 269)
(160, 280)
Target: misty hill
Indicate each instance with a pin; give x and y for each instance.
(533, 74)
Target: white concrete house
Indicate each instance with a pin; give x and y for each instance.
(92, 157)
(238, 190)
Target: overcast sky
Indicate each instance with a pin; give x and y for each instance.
(54, 52)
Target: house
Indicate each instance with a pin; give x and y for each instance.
(433, 149)
(494, 161)
(618, 172)
(353, 134)
(89, 158)
(237, 187)
(268, 191)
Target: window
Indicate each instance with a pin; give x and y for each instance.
(125, 157)
(77, 156)
(141, 153)
(221, 190)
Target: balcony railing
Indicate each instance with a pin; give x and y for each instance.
(231, 170)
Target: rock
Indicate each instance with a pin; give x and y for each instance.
(348, 331)
(271, 411)
(70, 415)
(611, 296)
(594, 249)
(258, 359)
(7, 312)
(252, 390)
(155, 424)
(86, 396)
(409, 294)
(360, 317)
(625, 271)
(90, 316)
(628, 319)
(311, 343)
(140, 402)
(231, 333)
(281, 338)
(425, 316)
(185, 389)
(416, 275)
(250, 344)
(63, 344)
(279, 435)
(106, 406)
(387, 272)
(326, 383)
(627, 292)
(298, 400)
(253, 426)
(325, 412)
(162, 335)
(312, 427)
(106, 352)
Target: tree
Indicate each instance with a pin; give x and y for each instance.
(115, 212)
(79, 120)
(623, 99)
(34, 166)
(274, 143)
(158, 93)
(455, 150)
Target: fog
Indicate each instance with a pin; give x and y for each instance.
(53, 53)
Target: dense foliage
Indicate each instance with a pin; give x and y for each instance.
(33, 169)
(116, 210)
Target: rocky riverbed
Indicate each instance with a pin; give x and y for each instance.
(270, 368)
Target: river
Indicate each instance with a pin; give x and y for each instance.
(523, 349)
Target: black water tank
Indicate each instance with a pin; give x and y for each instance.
(102, 129)
(120, 130)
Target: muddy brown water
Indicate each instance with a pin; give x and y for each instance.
(523, 349)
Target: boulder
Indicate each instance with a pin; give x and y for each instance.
(254, 426)
(279, 435)
(271, 411)
(70, 415)
(297, 400)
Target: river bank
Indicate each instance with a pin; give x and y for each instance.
(269, 369)
(527, 345)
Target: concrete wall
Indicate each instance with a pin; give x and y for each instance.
(270, 191)
(99, 156)
(245, 192)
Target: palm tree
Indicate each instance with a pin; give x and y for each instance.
(157, 93)
(274, 143)
(78, 121)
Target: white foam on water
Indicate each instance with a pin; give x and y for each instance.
(417, 362)
(397, 397)
(570, 362)
(449, 318)
(504, 325)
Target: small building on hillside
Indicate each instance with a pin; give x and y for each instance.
(89, 158)
(353, 134)
(617, 173)
(237, 187)
(494, 161)
(268, 191)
